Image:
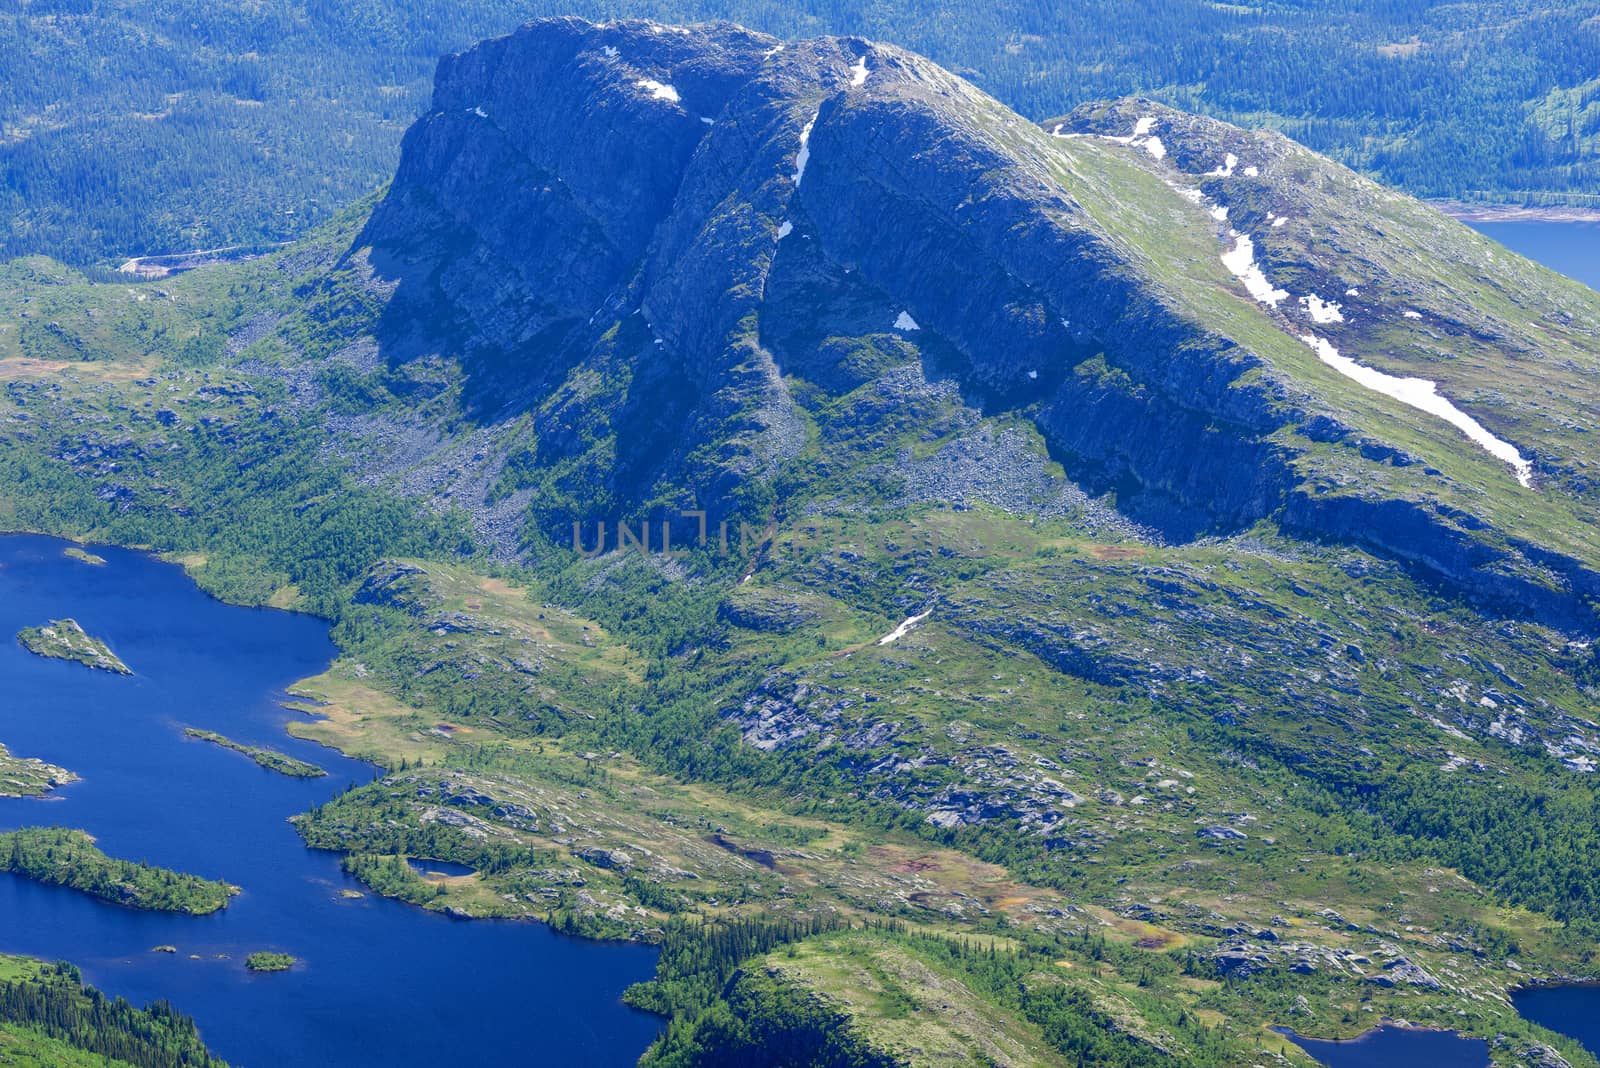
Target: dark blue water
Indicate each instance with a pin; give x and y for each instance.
(382, 983)
(1572, 1010)
(1397, 1047)
(1573, 248)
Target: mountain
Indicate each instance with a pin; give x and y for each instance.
(243, 124)
(1080, 592)
(1061, 278)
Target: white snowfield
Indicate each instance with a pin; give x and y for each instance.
(1419, 393)
(859, 72)
(1423, 395)
(906, 323)
(803, 157)
(903, 629)
(1322, 311)
(1241, 263)
(785, 230)
(658, 90)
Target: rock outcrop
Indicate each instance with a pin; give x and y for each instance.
(647, 236)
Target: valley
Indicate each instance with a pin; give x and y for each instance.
(1092, 672)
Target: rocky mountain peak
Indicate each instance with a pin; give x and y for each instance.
(681, 250)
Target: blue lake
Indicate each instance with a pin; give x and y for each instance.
(1573, 248)
(1572, 1010)
(1397, 1047)
(381, 983)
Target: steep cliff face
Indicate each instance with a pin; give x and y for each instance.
(682, 250)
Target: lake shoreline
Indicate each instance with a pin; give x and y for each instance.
(186, 805)
(1395, 1042)
(1463, 211)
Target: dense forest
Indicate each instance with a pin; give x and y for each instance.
(132, 127)
(57, 856)
(52, 1000)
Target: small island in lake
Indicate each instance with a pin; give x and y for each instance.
(28, 777)
(270, 759)
(83, 555)
(58, 856)
(64, 639)
(269, 962)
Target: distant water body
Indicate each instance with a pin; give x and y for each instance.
(1572, 248)
(382, 983)
(1572, 1010)
(1398, 1047)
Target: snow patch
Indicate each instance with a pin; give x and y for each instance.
(1032, 375)
(1252, 172)
(1352, 292)
(859, 72)
(1219, 213)
(611, 52)
(1193, 196)
(478, 111)
(906, 323)
(1144, 126)
(904, 628)
(1423, 395)
(1241, 263)
(803, 157)
(1228, 164)
(1279, 221)
(1156, 148)
(1413, 314)
(785, 230)
(708, 120)
(1322, 311)
(658, 90)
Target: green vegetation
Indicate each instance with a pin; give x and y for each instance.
(64, 639)
(57, 856)
(84, 556)
(242, 128)
(270, 759)
(49, 1019)
(886, 987)
(1114, 800)
(269, 962)
(29, 777)
(393, 877)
